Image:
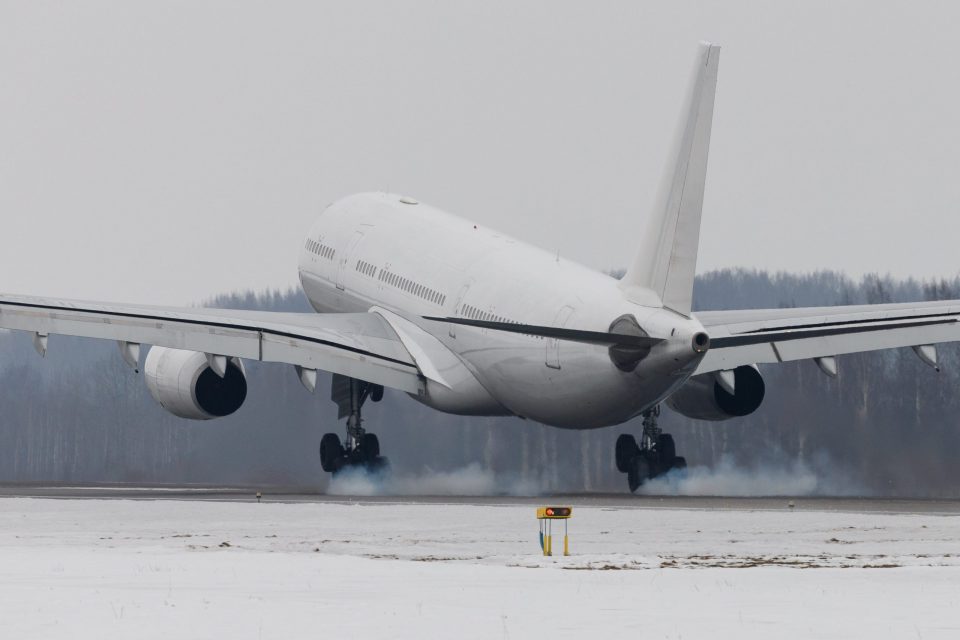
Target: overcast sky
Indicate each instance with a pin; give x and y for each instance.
(165, 151)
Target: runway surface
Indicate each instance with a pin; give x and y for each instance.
(600, 500)
(201, 562)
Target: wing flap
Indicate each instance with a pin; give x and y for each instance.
(178, 334)
(781, 335)
(359, 345)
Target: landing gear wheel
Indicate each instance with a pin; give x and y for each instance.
(331, 452)
(369, 447)
(359, 450)
(638, 472)
(624, 452)
(666, 449)
(654, 456)
(380, 464)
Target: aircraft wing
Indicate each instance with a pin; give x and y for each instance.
(359, 345)
(781, 335)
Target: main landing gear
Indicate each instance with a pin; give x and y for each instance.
(654, 456)
(361, 449)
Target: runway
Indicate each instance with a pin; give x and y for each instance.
(598, 500)
(160, 562)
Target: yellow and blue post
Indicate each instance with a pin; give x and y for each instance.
(546, 516)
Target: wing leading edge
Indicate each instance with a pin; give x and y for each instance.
(359, 345)
(780, 335)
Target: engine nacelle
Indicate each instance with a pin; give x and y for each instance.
(703, 398)
(184, 384)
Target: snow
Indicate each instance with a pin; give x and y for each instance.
(202, 569)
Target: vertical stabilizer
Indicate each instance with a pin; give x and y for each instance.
(667, 259)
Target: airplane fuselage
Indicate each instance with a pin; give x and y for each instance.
(383, 251)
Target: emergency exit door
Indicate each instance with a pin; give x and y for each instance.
(345, 257)
(553, 344)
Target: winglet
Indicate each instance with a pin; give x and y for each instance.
(667, 260)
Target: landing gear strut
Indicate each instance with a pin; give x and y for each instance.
(361, 449)
(654, 456)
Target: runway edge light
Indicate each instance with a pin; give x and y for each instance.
(546, 516)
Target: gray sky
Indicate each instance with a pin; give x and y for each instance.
(162, 152)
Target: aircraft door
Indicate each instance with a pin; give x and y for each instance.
(553, 344)
(456, 307)
(345, 257)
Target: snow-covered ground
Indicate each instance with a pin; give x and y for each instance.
(201, 569)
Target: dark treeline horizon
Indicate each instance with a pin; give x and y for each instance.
(888, 425)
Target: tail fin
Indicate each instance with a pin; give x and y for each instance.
(667, 259)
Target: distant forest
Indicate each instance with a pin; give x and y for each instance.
(888, 425)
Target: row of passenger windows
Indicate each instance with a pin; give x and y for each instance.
(321, 250)
(412, 287)
(471, 312)
(366, 268)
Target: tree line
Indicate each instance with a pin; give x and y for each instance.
(887, 425)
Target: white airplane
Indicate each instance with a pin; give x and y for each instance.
(471, 321)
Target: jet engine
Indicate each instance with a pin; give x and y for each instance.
(706, 397)
(185, 384)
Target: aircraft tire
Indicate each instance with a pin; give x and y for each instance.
(380, 464)
(369, 447)
(331, 452)
(638, 473)
(666, 449)
(625, 451)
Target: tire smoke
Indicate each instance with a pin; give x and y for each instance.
(472, 480)
(785, 477)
